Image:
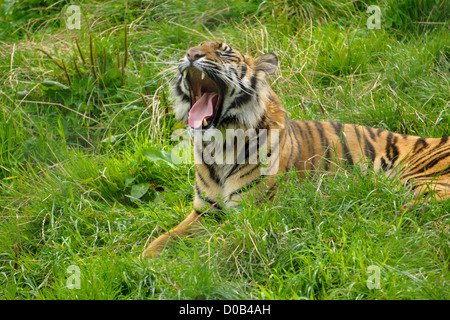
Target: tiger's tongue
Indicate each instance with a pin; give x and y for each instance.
(202, 109)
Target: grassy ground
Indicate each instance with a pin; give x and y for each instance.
(85, 127)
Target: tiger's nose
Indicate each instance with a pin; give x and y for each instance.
(194, 54)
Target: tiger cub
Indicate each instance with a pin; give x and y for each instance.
(219, 92)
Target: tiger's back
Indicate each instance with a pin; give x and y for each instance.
(423, 163)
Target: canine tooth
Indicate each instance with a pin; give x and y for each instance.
(185, 73)
(205, 122)
(203, 75)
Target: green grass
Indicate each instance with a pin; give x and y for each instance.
(85, 127)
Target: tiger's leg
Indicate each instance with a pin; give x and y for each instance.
(442, 192)
(180, 231)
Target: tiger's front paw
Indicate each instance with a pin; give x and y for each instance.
(155, 248)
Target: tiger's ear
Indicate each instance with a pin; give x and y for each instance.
(267, 63)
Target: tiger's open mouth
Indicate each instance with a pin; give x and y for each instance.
(205, 98)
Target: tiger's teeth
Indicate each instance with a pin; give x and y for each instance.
(205, 122)
(203, 75)
(185, 73)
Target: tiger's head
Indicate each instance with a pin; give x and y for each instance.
(219, 87)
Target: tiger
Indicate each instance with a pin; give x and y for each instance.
(217, 89)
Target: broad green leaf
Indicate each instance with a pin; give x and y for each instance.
(159, 155)
(139, 190)
(52, 85)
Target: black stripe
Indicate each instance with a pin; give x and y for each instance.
(420, 144)
(383, 163)
(253, 148)
(299, 145)
(284, 141)
(202, 179)
(213, 174)
(319, 128)
(325, 143)
(302, 133)
(311, 145)
(424, 182)
(227, 120)
(369, 150)
(391, 148)
(429, 156)
(357, 134)
(243, 71)
(240, 100)
(267, 156)
(253, 81)
(437, 173)
(183, 96)
(299, 128)
(198, 192)
(443, 141)
(211, 64)
(288, 164)
(235, 169)
(338, 128)
(245, 152)
(239, 164)
(429, 165)
(261, 138)
(306, 123)
(235, 72)
(229, 55)
(371, 133)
